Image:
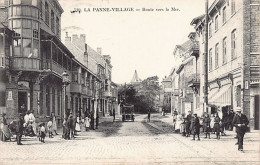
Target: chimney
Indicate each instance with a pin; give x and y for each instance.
(75, 38)
(99, 50)
(82, 38)
(67, 38)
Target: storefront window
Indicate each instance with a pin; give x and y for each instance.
(27, 47)
(35, 25)
(17, 47)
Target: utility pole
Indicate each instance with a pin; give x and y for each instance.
(205, 55)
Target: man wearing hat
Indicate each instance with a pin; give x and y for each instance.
(195, 125)
(240, 121)
(19, 129)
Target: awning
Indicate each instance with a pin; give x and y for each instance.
(212, 93)
(222, 97)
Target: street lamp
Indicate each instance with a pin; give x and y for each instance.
(65, 82)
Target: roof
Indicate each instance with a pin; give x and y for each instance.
(197, 19)
(186, 46)
(135, 78)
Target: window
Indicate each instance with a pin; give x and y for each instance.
(225, 50)
(224, 15)
(17, 47)
(27, 33)
(16, 10)
(26, 11)
(216, 55)
(35, 13)
(210, 59)
(57, 26)
(75, 77)
(233, 44)
(16, 2)
(216, 23)
(210, 29)
(27, 47)
(27, 24)
(16, 23)
(46, 13)
(52, 20)
(233, 6)
(35, 48)
(35, 34)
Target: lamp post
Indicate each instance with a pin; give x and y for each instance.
(65, 82)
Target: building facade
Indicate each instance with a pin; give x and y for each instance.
(34, 61)
(233, 56)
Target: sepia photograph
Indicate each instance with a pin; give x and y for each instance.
(124, 82)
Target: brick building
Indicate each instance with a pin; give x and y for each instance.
(34, 60)
(184, 77)
(233, 56)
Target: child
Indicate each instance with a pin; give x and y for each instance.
(49, 126)
(42, 136)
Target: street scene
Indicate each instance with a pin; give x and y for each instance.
(132, 142)
(129, 82)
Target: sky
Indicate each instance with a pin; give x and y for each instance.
(135, 40)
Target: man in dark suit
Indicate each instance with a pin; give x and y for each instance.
(240, 121)
(195, 125)
(189, 117)
(19, 129)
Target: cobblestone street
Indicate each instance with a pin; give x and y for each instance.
(132, 143)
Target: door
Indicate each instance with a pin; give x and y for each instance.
(22, 102)
(257, 112)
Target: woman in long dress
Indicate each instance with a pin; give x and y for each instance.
(77, 128)
(54, 124)
(87, 124)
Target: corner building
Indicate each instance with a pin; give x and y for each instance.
(33, 61)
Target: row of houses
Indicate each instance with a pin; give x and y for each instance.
(39, 72)
(228, 73)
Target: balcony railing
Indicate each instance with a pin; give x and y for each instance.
(194, 51)
(75, 87)
(107, 94)
(25, 63)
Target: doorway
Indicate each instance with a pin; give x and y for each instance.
(257, 112)
(22, 102)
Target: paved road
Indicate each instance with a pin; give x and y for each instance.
(130, 143)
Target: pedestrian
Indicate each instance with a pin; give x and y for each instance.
(206, 125)
(50, 129)
(32, 121)
(149, 115)
(54, 123)
(87, 124)
(64, 128)
(43, 133)
(92, 123)
(230, 119)
(3, 128)
(188, 123)
(212, 123)
(114, 114)
(97, 120)
(71, 125)
(178, 123)
(19, 129)
(175, 113)
(195, 125)
(26, 118)
(77, 127)
(240, 121)
(217, 126)
(183, 127)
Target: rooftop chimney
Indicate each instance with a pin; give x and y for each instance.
(67, 38)
(83, 38)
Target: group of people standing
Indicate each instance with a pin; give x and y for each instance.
(214, 124)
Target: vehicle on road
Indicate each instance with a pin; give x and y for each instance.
(128, 113)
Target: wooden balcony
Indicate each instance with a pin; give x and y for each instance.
(75, 87)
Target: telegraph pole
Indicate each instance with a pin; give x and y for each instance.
(206, 59)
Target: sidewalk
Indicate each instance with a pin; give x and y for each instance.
(253, 135)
